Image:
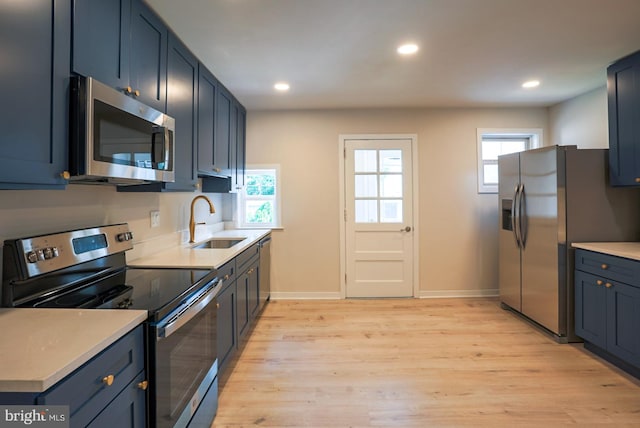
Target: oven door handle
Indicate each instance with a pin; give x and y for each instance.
(188, 313)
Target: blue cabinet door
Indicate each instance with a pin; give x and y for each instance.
(242, 304)
(591, 308)
(148, 56)
(241, 147)
(182, 86)
(127, 410)
(33, 88)
(623, 321)
(623, 88)
(101, 39)
(226, 325)
(207, 91)
(224, 129)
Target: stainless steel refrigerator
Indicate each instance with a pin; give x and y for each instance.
(549, 198)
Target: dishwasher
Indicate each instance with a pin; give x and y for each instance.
(265, 271)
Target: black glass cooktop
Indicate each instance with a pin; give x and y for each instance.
(158, 291)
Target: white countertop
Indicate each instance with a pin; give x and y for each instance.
(39, 347)
(184, 256)
(629, 250)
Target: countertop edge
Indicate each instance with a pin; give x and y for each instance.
(627, 250)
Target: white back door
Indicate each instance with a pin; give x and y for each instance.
(378, 189)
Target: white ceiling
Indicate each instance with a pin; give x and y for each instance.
(341, 53)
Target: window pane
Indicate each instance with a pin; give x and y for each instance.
(366, 211)
(513, 146)
(366, 186)
(259, 211)
(260, 184)
(391, 211)
(390, 161)
(365, 160)
(491, 150)
(391, 186)
(490, 174)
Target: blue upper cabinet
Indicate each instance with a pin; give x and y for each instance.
(149, 37)
(182, 87)
(207, 92)
(123, 44)
(101, 39)
(35, 41)
(623, 88)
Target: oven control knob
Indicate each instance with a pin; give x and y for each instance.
(48, 253)
(32, 257)
(125, 236)
(55, 251)
(40, 254)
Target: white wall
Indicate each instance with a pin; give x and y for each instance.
(581, 121)
(458, 226)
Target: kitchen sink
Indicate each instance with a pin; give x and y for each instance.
(218, 243)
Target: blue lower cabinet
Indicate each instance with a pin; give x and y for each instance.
(127, 410)
(607, 311)
(112, 382)
(623, 322)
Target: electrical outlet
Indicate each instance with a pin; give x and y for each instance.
(155, 218)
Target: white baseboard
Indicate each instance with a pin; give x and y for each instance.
(301, 295)
(438, 294)
(424, 294)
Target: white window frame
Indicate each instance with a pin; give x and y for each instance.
(277, 206)
(534, 135)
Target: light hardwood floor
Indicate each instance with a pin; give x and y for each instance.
(416, 363)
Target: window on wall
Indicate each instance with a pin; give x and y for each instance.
(259, 201)
(495, 142)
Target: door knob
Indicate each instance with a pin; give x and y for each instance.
(406, 229)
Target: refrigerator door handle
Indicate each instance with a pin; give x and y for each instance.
(514, 215)
(522, 217)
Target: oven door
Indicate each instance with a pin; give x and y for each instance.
(183, 359)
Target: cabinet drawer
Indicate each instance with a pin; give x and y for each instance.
(616, 268)
(228, 271)
(84, 390)
(247, 256)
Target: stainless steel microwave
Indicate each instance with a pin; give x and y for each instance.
(116, 139)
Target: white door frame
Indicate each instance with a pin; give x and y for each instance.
(341, 191)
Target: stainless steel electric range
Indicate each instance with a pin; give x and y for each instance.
(86, 268)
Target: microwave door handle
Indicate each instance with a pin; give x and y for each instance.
(163, 131)
(167, 147)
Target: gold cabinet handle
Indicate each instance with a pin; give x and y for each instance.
(604, 266)
(637, 179)
(217, 170)
(65, 174)
(143, 385)
(108, 380)
(226, 277)
(608, 285)
(218, 305)
(128, 90)
(599, 282)
(136, 93)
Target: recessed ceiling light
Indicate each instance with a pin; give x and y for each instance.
(531, 84)
(407, 49)
(281, 86)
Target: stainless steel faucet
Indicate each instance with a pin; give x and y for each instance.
(192, 223)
